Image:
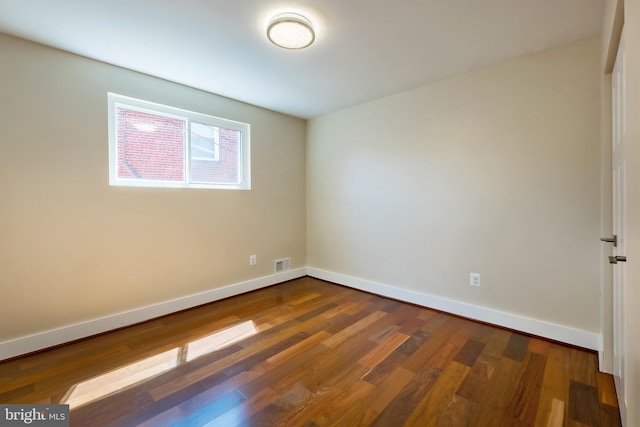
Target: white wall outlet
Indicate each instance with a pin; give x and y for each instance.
(474, 279)
(253, 260)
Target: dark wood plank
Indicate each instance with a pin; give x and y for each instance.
(516, 347)
(15, 394)
(414, 342)
(497, 342)
(316, 312)
(458, 413)
(239, 414)
(610, 416)
(370, 407)
(382, 350)
(583, 367)
(474, 385)
(469, 353)
(583, 404)
(431, 407)
(285, 375)
(433, 344)
(383, 369)
(336, 409)
(497, 394)
(201, 415)
(255, 358)
(403, 405)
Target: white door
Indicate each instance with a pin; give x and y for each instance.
(619, 226)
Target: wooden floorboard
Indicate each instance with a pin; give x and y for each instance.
(312, 353)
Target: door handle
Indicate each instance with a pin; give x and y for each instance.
(613, 240)
(616, 259)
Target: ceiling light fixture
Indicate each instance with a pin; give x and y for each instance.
(290, 31)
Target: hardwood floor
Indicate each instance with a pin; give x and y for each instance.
(311, 353)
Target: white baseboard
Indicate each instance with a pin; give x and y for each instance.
(50, 338)
(527, 325)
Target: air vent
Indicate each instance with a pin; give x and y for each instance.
(282, 264)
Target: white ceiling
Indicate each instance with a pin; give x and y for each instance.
(365, 49)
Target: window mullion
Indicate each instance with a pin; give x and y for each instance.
(187, 151)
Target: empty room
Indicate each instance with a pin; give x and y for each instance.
(320, 213)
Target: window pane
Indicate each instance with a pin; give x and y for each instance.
(204, 142)
(150, 146)
(215, 152)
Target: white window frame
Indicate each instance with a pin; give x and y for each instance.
(244, 161)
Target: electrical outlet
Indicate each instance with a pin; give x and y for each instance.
(253, 260)
(474, 279)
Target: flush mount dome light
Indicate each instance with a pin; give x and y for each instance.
(290, 31)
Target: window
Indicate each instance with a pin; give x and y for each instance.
(153, 145)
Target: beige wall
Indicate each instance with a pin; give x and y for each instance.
(495, 172)
(72, 248)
